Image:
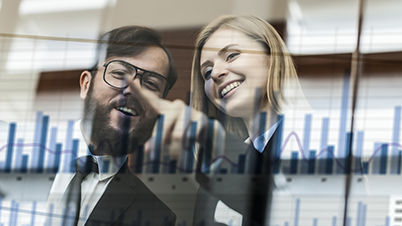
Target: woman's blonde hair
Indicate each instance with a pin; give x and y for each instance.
(281, 68)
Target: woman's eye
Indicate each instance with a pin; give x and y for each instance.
(207, 73)
(231, 56)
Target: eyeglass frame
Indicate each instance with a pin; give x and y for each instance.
(136, 74)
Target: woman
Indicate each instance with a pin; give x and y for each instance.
(243, 76)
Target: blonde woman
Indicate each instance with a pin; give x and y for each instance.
(243, 76)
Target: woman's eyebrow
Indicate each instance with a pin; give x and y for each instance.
(208, 62)
(220, 53)
(225, 49)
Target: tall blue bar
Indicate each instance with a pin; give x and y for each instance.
(297, 211)
(348, 155)
(74, 154)
(323, 146)
(395, 140)
(375, 169)
(306, 143)
(158, 143)
(365, 167)
(315, 222)
(364, 215)
(57, 157)
(334, 221)
(68, 147)
(18, 156)
(278, 145)
(293, 162)
(35, 148)
(343, 121)
(42, 147)
(33, 214)
(359, 151)
(330, 160)
(311, 161)
(190, 156)
(52, 153)
(399, 162)
(383, 159)
(359, 214)
(207, 155)
(10, 147)
(24, 167)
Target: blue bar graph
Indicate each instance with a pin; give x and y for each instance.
(10, 147)
(334, 221)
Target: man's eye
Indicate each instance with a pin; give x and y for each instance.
(231, 56)
(118, 74)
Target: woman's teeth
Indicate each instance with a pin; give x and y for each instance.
(127, 111)
(229, 87)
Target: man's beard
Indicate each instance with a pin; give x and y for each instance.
(110, 141)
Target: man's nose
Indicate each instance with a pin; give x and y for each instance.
(128, 89)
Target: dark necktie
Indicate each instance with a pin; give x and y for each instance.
(72, 197)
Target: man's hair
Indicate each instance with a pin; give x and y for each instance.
(129, 41)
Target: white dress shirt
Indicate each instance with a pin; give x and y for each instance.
(92, 187)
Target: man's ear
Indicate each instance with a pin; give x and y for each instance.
(85, 82)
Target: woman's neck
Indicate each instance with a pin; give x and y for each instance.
(260, 121)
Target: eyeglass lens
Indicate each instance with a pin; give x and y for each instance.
(117, 73)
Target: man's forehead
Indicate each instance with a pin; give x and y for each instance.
(152, 59)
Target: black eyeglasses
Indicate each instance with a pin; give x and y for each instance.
(118, 72)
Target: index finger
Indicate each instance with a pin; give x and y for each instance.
(145, 97)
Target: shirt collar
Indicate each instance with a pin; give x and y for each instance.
(260, 142)
(108, 166)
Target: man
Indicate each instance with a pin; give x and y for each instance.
(101, 190)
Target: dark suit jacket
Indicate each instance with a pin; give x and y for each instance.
(127, 201)
(249, 193)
